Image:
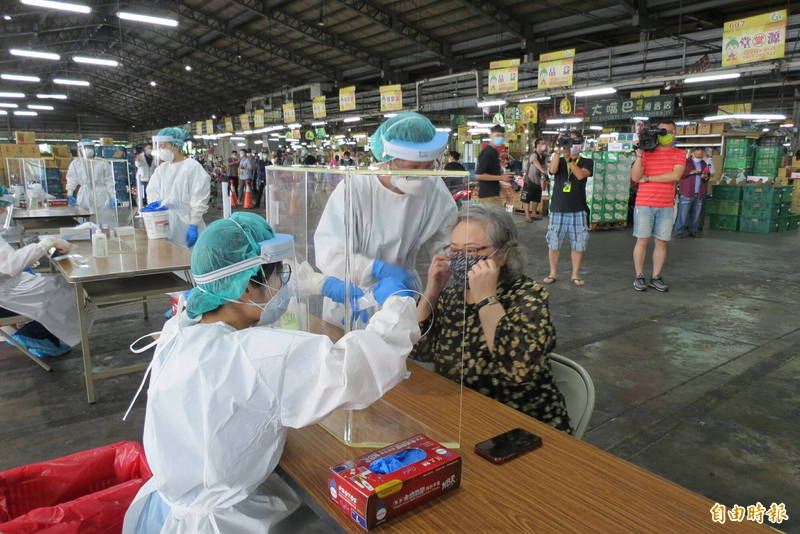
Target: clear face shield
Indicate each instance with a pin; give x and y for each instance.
(163, 149)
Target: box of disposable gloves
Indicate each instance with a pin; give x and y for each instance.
(381, 485)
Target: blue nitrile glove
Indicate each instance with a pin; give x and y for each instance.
(334, 289)
(29, 270)
(112, 202)
(191, 235)
(153, 205)
(381, 270)
(72, 201)
(398, 460)
(390, 287)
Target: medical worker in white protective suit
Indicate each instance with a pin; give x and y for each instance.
(90, 182)
(181, 184)
(393, 216)
(47, 299)
(224, 388)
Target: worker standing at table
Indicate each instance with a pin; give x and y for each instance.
(90, 183)
(224, 389)
(394, 216)
(181, 184)
(47, 299)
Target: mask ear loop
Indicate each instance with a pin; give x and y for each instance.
(433, 312)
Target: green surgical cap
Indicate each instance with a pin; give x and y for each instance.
(4, 192)
(179, 135)
(222, 244)
(408, 126)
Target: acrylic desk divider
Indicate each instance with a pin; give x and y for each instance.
(341, 219)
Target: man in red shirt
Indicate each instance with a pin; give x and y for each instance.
(656, 171)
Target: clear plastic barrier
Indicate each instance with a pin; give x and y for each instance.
(343, 220)
(32, 182)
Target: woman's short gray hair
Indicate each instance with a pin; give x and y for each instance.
(502, 232)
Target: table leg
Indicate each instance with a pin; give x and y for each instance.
(88, 367)
(144, 308)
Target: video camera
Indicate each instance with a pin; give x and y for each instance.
(648, 139)
(566, 141)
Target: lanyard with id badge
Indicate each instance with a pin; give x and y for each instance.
(568, 184)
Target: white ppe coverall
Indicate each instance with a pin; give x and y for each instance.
(183, 187)
(220, 402)
(100, 180)
(44, 298)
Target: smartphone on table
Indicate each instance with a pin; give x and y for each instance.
(508, 445)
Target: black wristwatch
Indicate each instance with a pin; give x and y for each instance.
(488, 300)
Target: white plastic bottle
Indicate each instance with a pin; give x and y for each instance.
(99, 244)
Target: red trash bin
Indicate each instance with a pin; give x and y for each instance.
(86, 492)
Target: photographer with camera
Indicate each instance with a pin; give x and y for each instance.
(568, 208)
(656, 170)
(489, 172)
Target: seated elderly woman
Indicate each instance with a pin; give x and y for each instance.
(508, 333)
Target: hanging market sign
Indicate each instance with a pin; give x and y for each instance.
(309, 135)
(511, 114)
(318, 107)
(288, 113)
(391, 97)
(295, 134)
(530, 112)
(244, 120)
(198, 128)
(758, 38)
(643, 94)
(565, 106)
(347, 98)
(210, 126)
(556, 68)
(258, 118)
(730, 109)
(503, 76)
(625, 108)
(228, 124)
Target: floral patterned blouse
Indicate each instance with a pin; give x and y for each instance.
(518, 373)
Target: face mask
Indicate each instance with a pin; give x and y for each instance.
(665, 139)
(275, 308)
(166, 154)
(88, 152)
(412, 185)
(697, 160)
(461, 264)
(498, 141)
(542, 148)
(148, 151)
(575, 149)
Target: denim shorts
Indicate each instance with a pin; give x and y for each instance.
(568, 224)
(653, 222)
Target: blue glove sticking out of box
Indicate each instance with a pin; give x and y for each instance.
(396, 461)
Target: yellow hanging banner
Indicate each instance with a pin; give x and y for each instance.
(258, 118)
(198, 128)
(730, 109)
(391, 97)
(295, 134)
(318, 107)
(556, 68)
(228, 124)
(347, 98)
(503, 76)
(644, 94)
(288, 112)
(565, 107)
(758, 38)
(209, 126)
(529, 112)
(244, 120)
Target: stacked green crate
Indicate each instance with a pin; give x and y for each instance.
(724, 207)
(739, 156)
(767, 160)
(595, 188)
(765, 209)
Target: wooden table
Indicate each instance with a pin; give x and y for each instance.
(146, 268)
(567, 486)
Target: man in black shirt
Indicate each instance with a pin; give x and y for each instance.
(346, 160)
(454, 164)
(488, 172)
(568, 208)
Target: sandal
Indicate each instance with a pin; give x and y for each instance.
(578, 282)
(551, 278)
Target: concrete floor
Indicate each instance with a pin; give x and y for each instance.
(698, 385)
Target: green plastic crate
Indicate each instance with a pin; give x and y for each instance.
(724, 222)
(760, 225)
(723, 207)
(763, 210)
(761, 193)
(727, 192)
